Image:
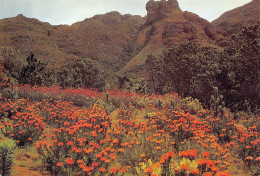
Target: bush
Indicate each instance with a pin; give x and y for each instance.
(6, 156)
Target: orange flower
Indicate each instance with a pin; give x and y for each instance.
(223, 173)
(185, 167)
(113, 170)
(66, 124)
(192, 152)
(207, 174)
(69, 161)
(205, 154)
(195, 171)
(112, 156)
(69, 143)
(59, 164)
(148, 170)
(115, 141)
(249, 158)
(102, 169)
(176, 170)
(143, 155)
(37, 146)
(95, 164)
(158, 147)
(215, 168)
(123, 170)
(171, 154)
(156, 165)
(60, 144)
(79, 161)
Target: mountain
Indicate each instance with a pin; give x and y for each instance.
(168, 25)
(106, 39)
(234, 20)
(116, 43)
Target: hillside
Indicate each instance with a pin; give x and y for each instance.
(112, 39)
(168, 25)
(233, 21)
(105, 38)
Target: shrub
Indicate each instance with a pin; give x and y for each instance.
(6, 156)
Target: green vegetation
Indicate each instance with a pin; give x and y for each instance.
(194, 71)
(6, 156)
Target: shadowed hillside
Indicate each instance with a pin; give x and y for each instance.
(233, 21)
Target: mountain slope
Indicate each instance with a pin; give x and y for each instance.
(168, 25)
(118, 43)
(28, 35)
(234, 20)
(104, 38)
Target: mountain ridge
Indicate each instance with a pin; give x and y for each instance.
(117, 43)
(234, 20)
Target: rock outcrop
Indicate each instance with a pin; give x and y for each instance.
(167, 25)
(157, 10)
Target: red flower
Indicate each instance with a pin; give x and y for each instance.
(60, 144)
(102, 169)
(148, 170)
(59, 164)
(185, 167)
(69, 161)
(95, 164)
(208, 174)
(70, 143)
(205, 154)
(195, 171)
(115, 141)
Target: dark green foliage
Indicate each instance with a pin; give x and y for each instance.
(240, 77)
(193, 71)
(154, 68)
(107, 97)
(12, 62)
(187, 69)
(80, 74)
(36, 73)
(141, 86)
(6, 156)
(13, 92)
(217, 104)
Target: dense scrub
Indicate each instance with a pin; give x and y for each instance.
(85, 132)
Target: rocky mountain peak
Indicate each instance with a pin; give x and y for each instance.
(157, 10)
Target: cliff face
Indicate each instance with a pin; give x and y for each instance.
(157, 10)
(234, 20)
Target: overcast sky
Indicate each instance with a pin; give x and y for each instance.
(71, 11)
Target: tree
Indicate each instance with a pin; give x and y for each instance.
(12, 62)
(80, 74)
(36, 72)
(187, 69)
(240, 78)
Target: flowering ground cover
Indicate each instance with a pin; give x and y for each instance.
(85, 132)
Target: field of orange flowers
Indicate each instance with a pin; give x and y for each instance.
(85, 132)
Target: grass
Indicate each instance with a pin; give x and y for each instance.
(27, 162)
